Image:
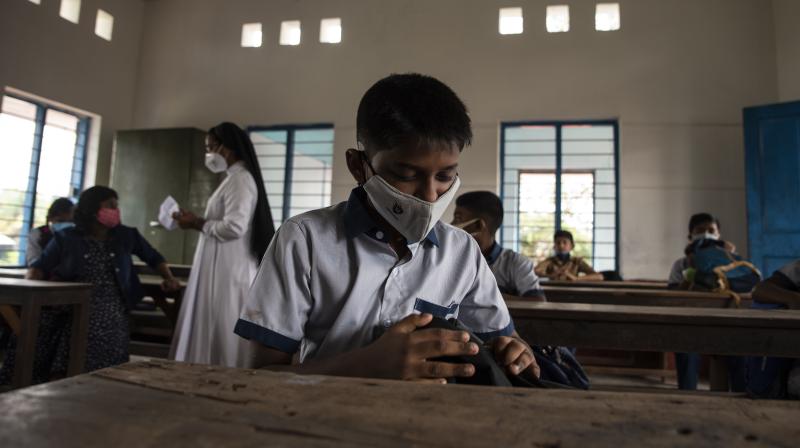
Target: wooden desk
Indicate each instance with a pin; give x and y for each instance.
(152, 288)
(29, 296)
(180, 271)
(642, 297)
(709, 331)
(179, 405)
(12, 272)
(629, 284)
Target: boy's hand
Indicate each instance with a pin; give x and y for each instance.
(403, 353)
(515, 355)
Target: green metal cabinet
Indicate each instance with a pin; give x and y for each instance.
(148, 165)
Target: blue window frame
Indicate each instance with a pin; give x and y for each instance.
(40, 141)
(297, 166)
(561, 175)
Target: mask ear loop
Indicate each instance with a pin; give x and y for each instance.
(364, 158)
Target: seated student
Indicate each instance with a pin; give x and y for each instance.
(782, 290)
(701, 225)
(563, 266)
(59, 217)
(347, 286)
(480, 213)
(98, 250)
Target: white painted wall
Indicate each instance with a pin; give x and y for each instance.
(787, 43)
(677, 76)
(45, 55)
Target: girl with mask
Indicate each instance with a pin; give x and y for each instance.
(59, 217)
(562, 266)
(234, 233)
(97, 250)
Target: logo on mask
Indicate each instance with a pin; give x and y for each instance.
(397, 209)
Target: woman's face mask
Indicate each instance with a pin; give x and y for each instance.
(109, 217)
(413, 217)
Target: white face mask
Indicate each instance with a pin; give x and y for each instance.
(215, 162)
(409, 215)
(705, 236)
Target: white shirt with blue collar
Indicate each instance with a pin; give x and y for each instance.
(331, 283)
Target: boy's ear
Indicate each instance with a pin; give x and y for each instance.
(355, 163)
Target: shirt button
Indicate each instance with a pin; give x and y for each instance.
(379, 235)
(387, 323)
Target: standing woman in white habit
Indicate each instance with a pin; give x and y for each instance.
(234, 234)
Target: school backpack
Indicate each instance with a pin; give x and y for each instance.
(719, 270)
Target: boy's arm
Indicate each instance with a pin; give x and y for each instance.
(541, 268)
(778, 289)
(400, 353)
(589, 274)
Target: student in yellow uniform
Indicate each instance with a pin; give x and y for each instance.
(562, 266)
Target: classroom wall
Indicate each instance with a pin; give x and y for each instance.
(787, 44)
(677, 76)
(48, 56)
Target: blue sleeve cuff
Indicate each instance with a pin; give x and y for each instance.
(254, 332)
(488, 336)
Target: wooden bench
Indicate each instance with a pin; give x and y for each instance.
(712, 331)
(642, 297)
(180, 271)
(628, 284)
(161, 403)
(29, 296)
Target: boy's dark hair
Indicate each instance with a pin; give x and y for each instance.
(60, 206)
(89, 205)
(411, 109)
(484, 204)
(564, 234)
(702, 218)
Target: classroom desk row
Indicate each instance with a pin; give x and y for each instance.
(162, 403)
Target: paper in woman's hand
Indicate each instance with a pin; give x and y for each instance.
(168, 207)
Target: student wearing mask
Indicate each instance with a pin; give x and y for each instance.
(480, 213)
(343, 290)
(98, 250)
(562, 266)
(701, 226)
(59, 217)
(234, 233)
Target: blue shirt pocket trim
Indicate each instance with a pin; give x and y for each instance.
(425, 307)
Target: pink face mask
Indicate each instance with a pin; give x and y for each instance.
(108, 217)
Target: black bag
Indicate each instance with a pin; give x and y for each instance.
(487, 372)
(559, 365)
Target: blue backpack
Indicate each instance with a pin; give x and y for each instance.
(719, 270)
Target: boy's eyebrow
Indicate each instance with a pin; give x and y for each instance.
(414, 167)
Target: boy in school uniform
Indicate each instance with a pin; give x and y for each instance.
(701, 226)
(562, 266)
(480, 213)
(347, 288)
